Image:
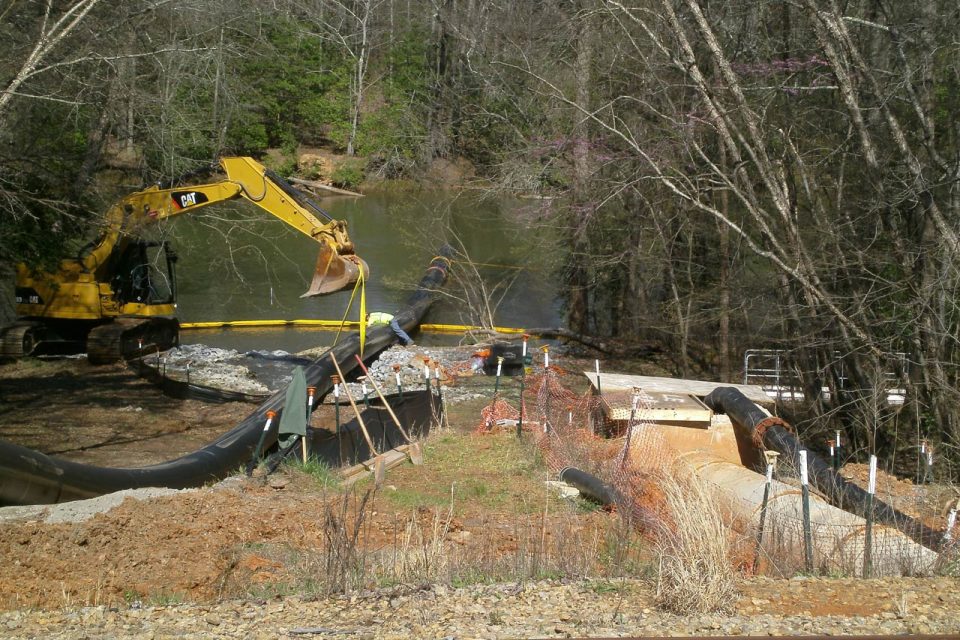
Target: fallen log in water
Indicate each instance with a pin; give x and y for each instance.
(313, 184)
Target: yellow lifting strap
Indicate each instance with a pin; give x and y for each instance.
(362, 286)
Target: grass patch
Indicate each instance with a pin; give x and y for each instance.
(492, 472)
(477, 512)
(695, 568)
(405, 498)
(603, 587)
(321, 473)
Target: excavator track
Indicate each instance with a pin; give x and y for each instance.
(18, 340)
(126, 338)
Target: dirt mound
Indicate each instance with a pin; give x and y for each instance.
(928, 502)
(480, 501)
(185, 545)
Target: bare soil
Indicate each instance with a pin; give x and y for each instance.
(103, 415)
(242, 537)
(483, 496)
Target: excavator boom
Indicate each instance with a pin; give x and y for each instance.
(337, 265)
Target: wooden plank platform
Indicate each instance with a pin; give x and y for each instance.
(664, 408)
(677, 386)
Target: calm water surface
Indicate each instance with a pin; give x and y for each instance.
(238, 263)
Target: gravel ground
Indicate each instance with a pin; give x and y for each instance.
(263, 373)
(79, 510)
(214, 367)
(534, 610)
(412, 363)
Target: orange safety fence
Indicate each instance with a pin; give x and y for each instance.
(572, 430)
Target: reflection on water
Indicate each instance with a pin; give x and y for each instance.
(291, 339)
(237, 263)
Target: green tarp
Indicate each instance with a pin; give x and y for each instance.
(293, 420)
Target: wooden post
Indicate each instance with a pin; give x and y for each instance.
(363, 426)
(376, 388)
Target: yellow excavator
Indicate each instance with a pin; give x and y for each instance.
(117, 298)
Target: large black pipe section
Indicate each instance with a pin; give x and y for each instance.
(754, 425)
(595, 489)
(591, 487)
(31, 477)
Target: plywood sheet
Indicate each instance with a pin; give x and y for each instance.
(653, 384)
(663, 407)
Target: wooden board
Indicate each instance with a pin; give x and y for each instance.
(663, 407)
(653, 384)
(391, 459)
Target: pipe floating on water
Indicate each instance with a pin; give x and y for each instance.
(754, 424)
(31, 477)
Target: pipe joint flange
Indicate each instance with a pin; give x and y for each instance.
(761, 429)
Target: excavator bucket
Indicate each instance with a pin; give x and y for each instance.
(334, 271)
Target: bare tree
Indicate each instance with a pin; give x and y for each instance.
(52, 32)
(348, 25)
(813, 137)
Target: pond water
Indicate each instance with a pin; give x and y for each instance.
(238, 263)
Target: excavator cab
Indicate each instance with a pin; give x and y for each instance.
(144, 272)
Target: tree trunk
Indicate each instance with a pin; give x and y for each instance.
(578, 278)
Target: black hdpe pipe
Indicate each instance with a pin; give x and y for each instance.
(590, 486)
(31, 477)
(754, 425)
(593, 488)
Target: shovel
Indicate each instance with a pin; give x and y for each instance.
(378, 468)
(416, 453)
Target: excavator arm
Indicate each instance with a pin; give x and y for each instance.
(337, 265)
